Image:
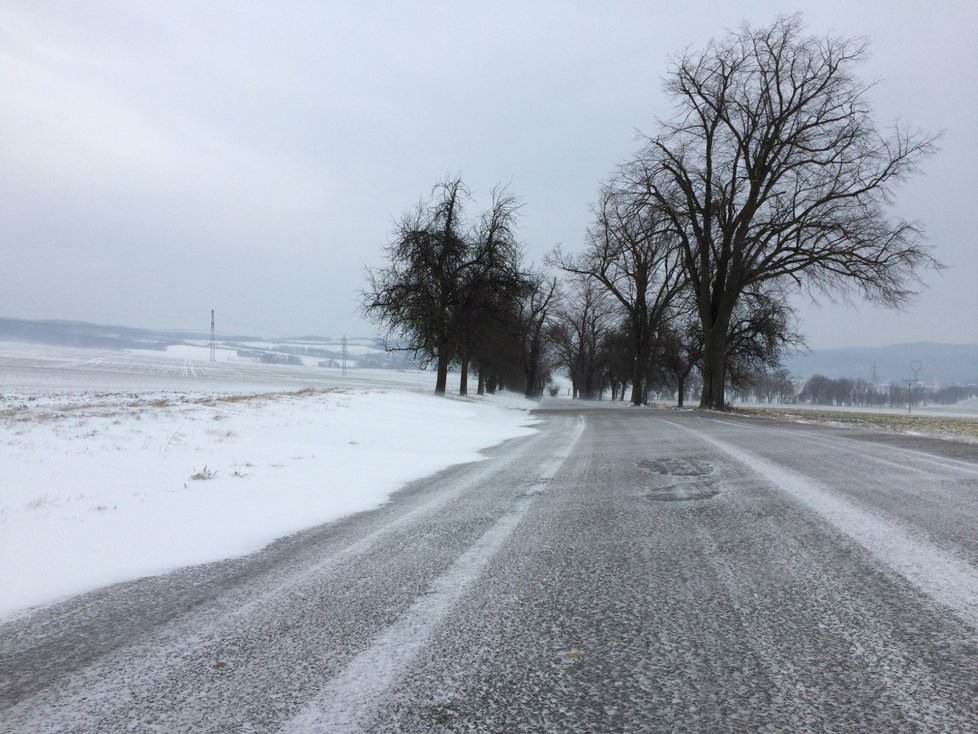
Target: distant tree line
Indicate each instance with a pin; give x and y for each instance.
(771, 176)
(843, 391)
(269, 357)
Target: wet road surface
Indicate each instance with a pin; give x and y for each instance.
(621, 571)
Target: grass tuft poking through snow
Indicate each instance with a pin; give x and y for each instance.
(96, 491)
(204, 474)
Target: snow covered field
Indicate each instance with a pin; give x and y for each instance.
(117, 465)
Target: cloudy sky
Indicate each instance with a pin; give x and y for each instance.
(159, 159)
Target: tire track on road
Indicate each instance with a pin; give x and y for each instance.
(948, 579)
(350, 698)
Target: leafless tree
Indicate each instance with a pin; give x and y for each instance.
(762, 330)
(493, 281)
(581, 326)
(447, 286)
(416, 294)
(535, 312)
(632, 253)
(680, 350)
(773, 169)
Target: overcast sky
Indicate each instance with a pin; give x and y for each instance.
(159, 159)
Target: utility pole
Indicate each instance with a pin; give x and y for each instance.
(213, 339)
(343, 363)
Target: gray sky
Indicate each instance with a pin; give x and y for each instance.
(159, 159)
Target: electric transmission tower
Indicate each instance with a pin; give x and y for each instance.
(213, 339)
(343, 363)
(915, 367)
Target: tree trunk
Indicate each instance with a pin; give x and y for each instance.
(637, 397)
(681, 389)
(463, 384)
(531, 379)
(640, 364)
(441, 380)
(531, 367)
(714, 367)
(482, 381)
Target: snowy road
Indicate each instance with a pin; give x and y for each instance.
(619, 571)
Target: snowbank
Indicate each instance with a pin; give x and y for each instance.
(122, 486)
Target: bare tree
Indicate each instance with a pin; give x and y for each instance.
(416, 294)
(773, 169)
(446, 285)
(680, 351)
(632, 253)
(762, 331)
(494, 280)
(582, 323)
(535, 313)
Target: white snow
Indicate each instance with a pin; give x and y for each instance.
(99, 486)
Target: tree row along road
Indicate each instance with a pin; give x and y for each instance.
(622, 570)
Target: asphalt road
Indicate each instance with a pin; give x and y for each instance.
(621, 571)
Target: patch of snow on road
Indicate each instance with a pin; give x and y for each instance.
(111, 487)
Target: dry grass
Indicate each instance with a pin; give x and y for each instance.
(27, 413)
(203, 475)
(958, 428)
(246, 397)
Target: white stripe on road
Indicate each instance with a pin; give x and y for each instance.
(350, 698)
(939, 573)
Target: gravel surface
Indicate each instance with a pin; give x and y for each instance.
(621, 571)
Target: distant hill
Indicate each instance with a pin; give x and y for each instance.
(939, 363)
(81, 334)
(101, 336)
(367, 351)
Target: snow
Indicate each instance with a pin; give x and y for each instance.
(100, 486)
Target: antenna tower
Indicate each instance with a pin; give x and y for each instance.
(213, 339)
(343, 363)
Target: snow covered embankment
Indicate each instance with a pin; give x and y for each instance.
(92, 493)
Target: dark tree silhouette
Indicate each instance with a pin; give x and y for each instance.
(493, 281)
(680, 351)
(632, 253)
(445, 286)
(416, 294)
(582, 324)
(762, 331)
(774, 169)
(534, 315)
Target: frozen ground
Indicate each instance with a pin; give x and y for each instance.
(117, 465)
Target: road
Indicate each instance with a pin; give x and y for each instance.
(621, 571)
